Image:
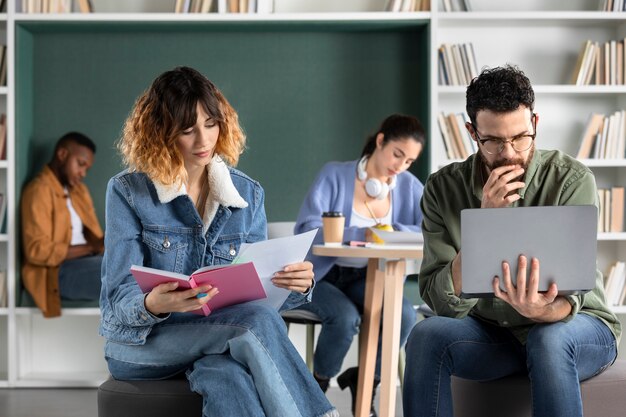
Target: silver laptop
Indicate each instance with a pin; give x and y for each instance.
(563, 238)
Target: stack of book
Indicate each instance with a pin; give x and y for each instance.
(55, 6)
(456, 6)
(457, 64)
(601, 64)
(456, 139)
(194, 6)
(245, 6)
(613, 6)
(611, 214)
(614, 288)
(224, 6)
(604, 137)
(407, 6)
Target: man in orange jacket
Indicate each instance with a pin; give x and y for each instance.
(62, 239)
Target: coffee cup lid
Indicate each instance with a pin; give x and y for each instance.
(332, 214)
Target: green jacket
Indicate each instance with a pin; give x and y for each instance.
(552, 178)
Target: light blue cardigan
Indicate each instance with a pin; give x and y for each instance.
(333, 190)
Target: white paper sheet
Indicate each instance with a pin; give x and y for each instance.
(270, 256)
(398, 237)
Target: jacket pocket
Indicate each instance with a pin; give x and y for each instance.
(165, 247)
(226, 248)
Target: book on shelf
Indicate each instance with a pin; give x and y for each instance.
(619, 70)
(622, 298)
(85, 6)
(194, 6)
(444, 65)
(457, 64)
(456, 6)
(456, 136)
(3, 213)
(3, 65)
(48, 6)
(578, 68)
(617, 209)
(601, 63)
(446, 136)
(243, 6)
(3, 289)
(611, 213)
(593, 126)
(614, 284)
(3, 137)
(237, 283)
(457, 58)
(407, 5)
(607, 211)
(601, 210)
(604, 137)
(456, 139)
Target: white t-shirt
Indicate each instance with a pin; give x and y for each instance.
(78, 237)
(358, 220)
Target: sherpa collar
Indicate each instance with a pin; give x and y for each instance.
(222, 191)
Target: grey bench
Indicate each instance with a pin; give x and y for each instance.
(603, 395)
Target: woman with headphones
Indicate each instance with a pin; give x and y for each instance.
(373, 190)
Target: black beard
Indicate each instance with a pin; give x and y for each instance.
(513, 161)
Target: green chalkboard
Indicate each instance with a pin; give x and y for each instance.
(306, 92)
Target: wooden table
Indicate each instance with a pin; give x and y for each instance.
(383, 288)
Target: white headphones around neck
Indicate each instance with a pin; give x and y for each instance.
(373, 186)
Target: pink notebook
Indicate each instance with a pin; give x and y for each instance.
(237, 283)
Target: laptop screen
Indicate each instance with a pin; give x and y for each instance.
(563, 238)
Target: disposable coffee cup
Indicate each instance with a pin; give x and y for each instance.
(333, 222)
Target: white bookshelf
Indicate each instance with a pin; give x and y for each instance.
(542, 37)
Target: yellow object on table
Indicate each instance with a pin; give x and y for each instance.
(386, 227)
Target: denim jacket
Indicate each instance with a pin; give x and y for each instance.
(150, 224)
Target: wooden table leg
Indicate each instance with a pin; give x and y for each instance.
(370, 329)
(392, 317)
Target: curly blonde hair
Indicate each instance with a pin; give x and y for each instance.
(163, 112)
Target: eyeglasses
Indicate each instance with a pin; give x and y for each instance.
(494, 146)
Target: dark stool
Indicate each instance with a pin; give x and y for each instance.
(163, 398)
(603, 395)
(309, 319)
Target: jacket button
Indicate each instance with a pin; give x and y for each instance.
(166, 243)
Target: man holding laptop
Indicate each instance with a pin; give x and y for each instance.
(558, 338)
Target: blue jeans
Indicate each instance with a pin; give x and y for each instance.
(79, 279)
(556, 357)
(338, 301)
(238, 358)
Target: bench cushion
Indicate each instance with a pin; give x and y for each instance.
(164, 398)
(603, 395)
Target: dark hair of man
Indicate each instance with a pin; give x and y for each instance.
(396, 127)
(499, 90)
(77, 138)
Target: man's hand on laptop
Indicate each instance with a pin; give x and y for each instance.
(500, 189)
(525, 298)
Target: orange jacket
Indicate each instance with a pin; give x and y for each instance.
(47, 233)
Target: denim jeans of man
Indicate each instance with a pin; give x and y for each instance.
(338, 301)
(556, 357)
(79, 279)
(238, 358)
